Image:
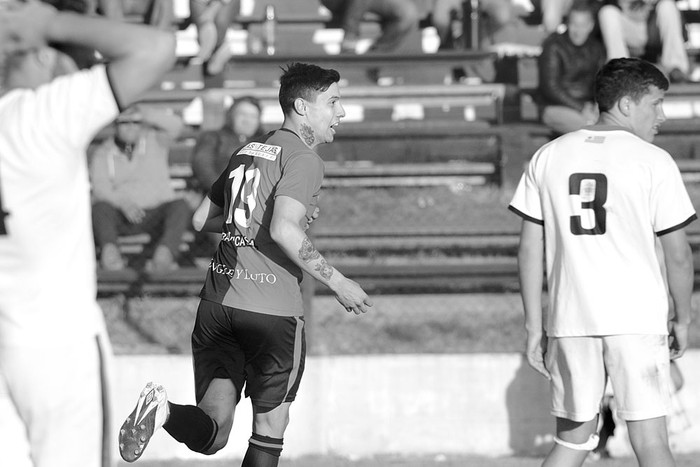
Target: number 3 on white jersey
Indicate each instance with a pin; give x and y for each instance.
(245, 183)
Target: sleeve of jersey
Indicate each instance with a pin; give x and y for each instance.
(216, 194)
(671, 206)
(77, 106)
(302, 178)
(526, 201)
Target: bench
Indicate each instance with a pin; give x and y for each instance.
(361, 103)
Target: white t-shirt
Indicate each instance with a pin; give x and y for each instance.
(603, 195)
(47, 257)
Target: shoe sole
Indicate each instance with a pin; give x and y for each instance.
(138, 428)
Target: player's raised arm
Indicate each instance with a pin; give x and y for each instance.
(137, 55)
(286, 230)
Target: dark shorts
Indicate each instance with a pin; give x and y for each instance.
(265, 353)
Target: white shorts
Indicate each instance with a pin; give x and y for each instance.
(54, 405)
(637, 365)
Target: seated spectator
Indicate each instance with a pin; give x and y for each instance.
(398, 19)
(213, 148)
(567, 68)
(132, 191)
(497, 17)
(212, 19)
(648, 29)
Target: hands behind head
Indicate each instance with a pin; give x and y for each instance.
(23, 25)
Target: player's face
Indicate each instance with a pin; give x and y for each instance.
(647, 115)
(579, 26)
(324, 114)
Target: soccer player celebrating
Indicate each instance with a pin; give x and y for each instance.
(249, 328)
(592, 203)
(53, 343)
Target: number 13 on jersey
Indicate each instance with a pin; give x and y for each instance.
(244, 190)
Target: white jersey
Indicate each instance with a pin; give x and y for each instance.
(47, 257)
(603, 195)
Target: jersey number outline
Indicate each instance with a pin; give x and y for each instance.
(244, 191)
(596, 203)
(3, 214)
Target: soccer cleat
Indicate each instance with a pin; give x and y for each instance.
(150, 413)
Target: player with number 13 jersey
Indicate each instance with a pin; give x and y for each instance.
(249, 270)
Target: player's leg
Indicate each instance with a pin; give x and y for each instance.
(74, 404)
(266, 443)
(205, 428)
(573, 442)
(578, 384)
(277, 348)
(218, 373)
(649, 440)
(641, 380)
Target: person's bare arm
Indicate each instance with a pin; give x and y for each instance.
(679, 270)
(287, 230)
(137, 55)
(208, 217)
(531, 273)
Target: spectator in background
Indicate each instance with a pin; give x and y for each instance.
(213, 148)
(648, 29)
(132, 190)
(212, 19)
(567, 68)
(398, 19)
(498, 16)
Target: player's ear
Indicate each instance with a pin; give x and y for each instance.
(300, 106)
(623, 105)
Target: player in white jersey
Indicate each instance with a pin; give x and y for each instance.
(53, 345)
(593, 202)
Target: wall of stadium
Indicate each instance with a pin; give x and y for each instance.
(359, 406)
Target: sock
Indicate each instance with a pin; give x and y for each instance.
(189, 424)
(263, 451)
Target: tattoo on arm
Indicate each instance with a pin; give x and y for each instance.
(307, 134)
(324, 269)
(308, 251)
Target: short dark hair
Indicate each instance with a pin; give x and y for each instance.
(305, 81)
(583, 6)
(626, 77)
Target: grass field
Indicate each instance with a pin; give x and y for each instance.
(433, 461)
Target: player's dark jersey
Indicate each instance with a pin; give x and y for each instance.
(249, 270)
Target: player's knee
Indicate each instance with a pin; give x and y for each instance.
(589, 445)
(272, 421)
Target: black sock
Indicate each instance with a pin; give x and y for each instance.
(189, 424)
(263, 451)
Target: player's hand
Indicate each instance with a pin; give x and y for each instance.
(23, 25)
(352, 297)
(132, 212)
(677, 340)
(309, 220)
(536, 349)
